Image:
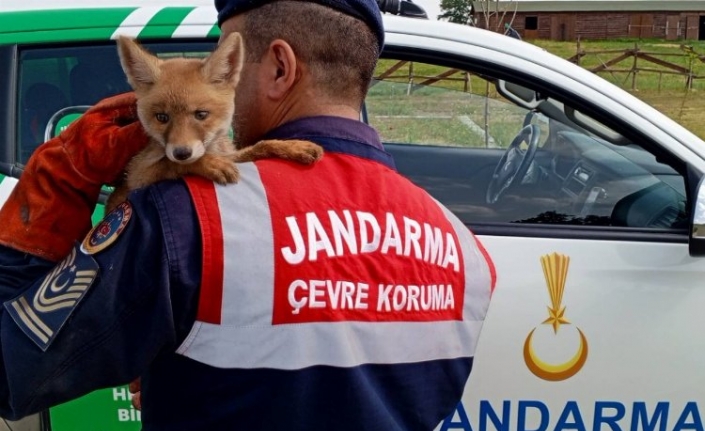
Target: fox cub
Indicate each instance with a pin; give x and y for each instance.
(186, 107)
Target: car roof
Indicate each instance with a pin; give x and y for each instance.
(105, 23)
(15, 5)
(32, 21)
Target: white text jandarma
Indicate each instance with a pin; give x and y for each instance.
(364, 233)
(346, 295)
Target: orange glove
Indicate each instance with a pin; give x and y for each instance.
(51, 206)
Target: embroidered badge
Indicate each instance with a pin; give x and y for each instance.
(107, 231)
(43, 310)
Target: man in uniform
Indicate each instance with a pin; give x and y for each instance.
(337, 296)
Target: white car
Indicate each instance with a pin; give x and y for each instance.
(589, 201)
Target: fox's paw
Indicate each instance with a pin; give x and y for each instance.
(222, 171)
(296, 150)
(305, 152)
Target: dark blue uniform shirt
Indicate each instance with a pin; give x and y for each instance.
(142, 304)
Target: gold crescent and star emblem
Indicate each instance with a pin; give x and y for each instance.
(555, 271)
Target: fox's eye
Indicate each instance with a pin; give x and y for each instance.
(162, 118)
(201, 115)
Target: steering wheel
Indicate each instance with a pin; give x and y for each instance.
(514, 164)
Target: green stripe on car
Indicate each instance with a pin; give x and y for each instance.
(215, 31)
(60, 25)
(165, 22)
(90, 24)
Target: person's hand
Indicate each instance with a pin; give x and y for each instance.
(104, 139)
(136, 391)
(51, 206)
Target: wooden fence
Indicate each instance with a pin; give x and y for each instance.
(643, 61)
(638, 62)
(416, 81)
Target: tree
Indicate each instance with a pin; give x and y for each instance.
(457, 11)
(488, 14)
(495, 14)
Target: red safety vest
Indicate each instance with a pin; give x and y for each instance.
(342, 263)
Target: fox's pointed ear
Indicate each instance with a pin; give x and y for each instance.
(140, 66)
(225, 63)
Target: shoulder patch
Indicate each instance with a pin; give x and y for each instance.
(43, 310)
(108, 230)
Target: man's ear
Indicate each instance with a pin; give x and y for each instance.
(225, 63)
(283, 69)
(141, 67)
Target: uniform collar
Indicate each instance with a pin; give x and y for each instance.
(327, 127)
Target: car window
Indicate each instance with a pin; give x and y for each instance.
(454, 110)
(492, 161)
(52, 79)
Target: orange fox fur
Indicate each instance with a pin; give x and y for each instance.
(186, 107)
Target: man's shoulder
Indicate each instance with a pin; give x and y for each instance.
(168, 201)
(168, 190)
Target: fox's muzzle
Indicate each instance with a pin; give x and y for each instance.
(184, 154)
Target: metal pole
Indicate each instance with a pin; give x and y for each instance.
(487, 114)
(634, 68)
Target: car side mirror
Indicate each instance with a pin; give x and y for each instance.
(696, 244)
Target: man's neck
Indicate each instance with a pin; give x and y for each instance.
(301, 109)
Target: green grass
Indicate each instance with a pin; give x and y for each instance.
(432, 131)
(440, 115)
(669, 51)
(464, 95)
(667, 93)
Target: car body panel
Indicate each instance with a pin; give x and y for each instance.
(638, 322)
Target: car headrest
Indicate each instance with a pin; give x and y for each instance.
(40, 102)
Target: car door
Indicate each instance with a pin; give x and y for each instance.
(593, 323)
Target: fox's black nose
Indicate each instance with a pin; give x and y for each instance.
(182, 153)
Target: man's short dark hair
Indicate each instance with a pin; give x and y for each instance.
(341, 50)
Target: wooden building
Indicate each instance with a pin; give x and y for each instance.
(600, 19)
